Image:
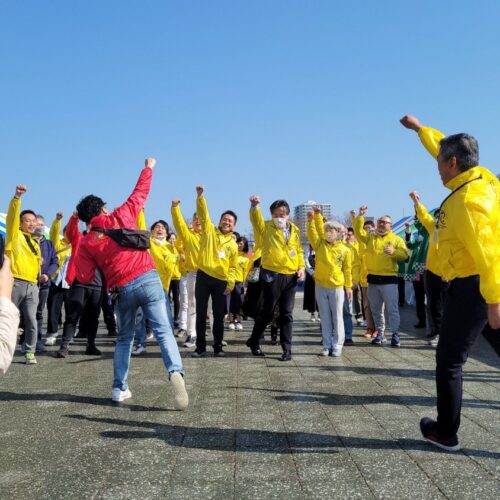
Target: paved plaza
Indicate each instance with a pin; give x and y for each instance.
(256, 427)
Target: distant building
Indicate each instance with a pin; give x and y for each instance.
(300, 215)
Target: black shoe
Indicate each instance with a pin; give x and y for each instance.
(286, 356)
(348, 342)
(112, 333)
(219, 354)
(419, 325)
(428, 428)
(198, 354)
(255, 350)
(63, 352)
(92, 351)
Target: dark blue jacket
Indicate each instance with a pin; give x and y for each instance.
(50, 264)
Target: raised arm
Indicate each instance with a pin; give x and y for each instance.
(256, 218)
(55, 230)
(72, 234)
(318, 222)
(312, 232)
(429, 137)
(13, 216)
(178, 221)
(358, 223)
(425, 218)
(202, 209)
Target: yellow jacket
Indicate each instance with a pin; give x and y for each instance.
(176, 272)
(333, 262)
(218, 252)
(427, 220)
(469, 224)
(363, 272)
(378, 262)
(241, 270)
(25, 260)
(277, 255)
(190, 239)
(356, 262)
(179, 245)
(61, 245)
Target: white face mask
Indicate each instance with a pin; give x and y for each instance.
(330, 237)
(160, 242)
(279, 222)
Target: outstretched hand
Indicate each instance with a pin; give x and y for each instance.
(410, 122)
(199, 190)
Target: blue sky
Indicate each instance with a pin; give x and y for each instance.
(287, 99)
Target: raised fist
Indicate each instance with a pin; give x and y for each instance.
(20, 190)
(316, 209)
(199, 190)
(255, 200)
(415, 197)
(59, 215)
(150, 162)
(363, 209)
(410, 122)
(176, 202)
(352, 213)
(310, 215)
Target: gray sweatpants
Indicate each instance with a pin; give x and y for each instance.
(388, 295)
(25, 297)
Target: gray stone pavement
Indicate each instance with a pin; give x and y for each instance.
(256, 428)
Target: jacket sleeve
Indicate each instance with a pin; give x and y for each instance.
(320, 225)
(55, 231)
(53, 263)
(126, 214)
(233, 269)
(300, 253)
(180, 224)
(400, 250)
(425, 218)
(72, 233)
(9, 321)
(347, 268)
(312, 234)
(257, 222)
(141, 221)
(12, 222)
(430, 138)
(203, 215)
(359, 231)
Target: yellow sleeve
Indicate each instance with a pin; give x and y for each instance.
(257, 221)
(312, 234)
(12, 222)
(202, 213)
(300, 253)
(347, 268)
(400, 250)
(141, 221)
(318, 222)
(233, 268)
(55, 231)
(179, 223)
(430, 138)
(425, 218)
(359, 231)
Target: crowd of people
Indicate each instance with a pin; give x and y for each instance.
(159, 283)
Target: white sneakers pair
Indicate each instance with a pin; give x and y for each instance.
(181, 398)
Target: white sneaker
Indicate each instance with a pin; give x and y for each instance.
(150, 336)
(434, 341)
(325, 352)
(232, 326)
(313, 318)
(336, 352)
(139, 349)
(118, 395)
(51, 340)
(181, 398)
(239, 326)
(190, 341)
(224, 343)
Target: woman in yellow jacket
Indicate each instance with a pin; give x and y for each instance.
(236, 297)
(174, 289)
(331, 274)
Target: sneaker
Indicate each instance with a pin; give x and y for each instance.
(219, 354)
(63, 352)
(428, 428)
(434, 341)
(359, 322)
(118, 395)
(368, 334)
(348, 342)
(395, 340)
(223, 343)
(325, 352)
(181, 398)
(379, 340)
(199, 354)
(190, 341)
(139, 349)
(313, 318)
(51, 339)
(336, 352)
(150, 335)
(239, 326)
(40, 346)
(29, 358)
(92, 351)
(180, 333)
(232, 326)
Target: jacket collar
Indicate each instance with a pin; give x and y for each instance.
(463, 177)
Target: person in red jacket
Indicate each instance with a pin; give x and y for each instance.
(132, 273)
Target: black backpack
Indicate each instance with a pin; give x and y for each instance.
(128, 238)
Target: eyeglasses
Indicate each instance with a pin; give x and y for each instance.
(384, 221)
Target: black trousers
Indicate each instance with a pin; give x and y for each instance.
(418, 288)
(435, 290)
(174, 295)
(206, 287)
(401, 290)
(277, 289)
(43, 294)
(108, 313)
(81, 300)
(464, 316)
(55, 301)
(236, 299)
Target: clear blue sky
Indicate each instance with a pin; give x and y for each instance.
(287, 99)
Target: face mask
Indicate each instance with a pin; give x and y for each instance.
(279, 222)
(160, 242)
(330, 237)
(39, 231)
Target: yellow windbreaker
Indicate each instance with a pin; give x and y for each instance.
(356, 262)
(333, 262)
(378, 262)
(427, 220)
(190, 239)
(218, 252)
(25, 259)
(469, 224)
(182, 257)
(61, 245)
(241, 270)
(277, 254)
(363, 272)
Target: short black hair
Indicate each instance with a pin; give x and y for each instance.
(245, 241)
(463, 147)
(350, 229)
(163, 223)
(89, 207)
(26, 212)
(369, 222)
(236, 235)
(230, 212)
(279, 204)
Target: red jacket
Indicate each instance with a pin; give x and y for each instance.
(119, 265)
(74, 237)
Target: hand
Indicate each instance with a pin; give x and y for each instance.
(348, 294)
(176, 202)
(410, 122)
(254, 200)
(352, 213)
(6, 279)
(43, 278)
(20, 190)
(362, 210)
(415, 197)
(301, 274)
(310, 215)
(199, 190)
(150, 162)
(59, 215)
(389, 249)
(75, 214)
(494, 315)
(227, 291)
(317, 209)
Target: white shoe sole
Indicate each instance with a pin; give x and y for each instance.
(181, 398)
(118, 397)
(457, 447)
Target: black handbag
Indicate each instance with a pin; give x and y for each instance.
(128, 238)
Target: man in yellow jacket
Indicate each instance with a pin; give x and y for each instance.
(25, 257)
(215, 279)
(469, 258)
(383, 251)
(282, 265)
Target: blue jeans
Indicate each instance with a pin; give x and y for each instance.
(145, 292)
(347, 319)
(141, 327)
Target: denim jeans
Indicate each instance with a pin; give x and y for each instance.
(141, 327)
(145, 292)
(347, 318)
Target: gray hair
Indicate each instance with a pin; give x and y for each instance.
(463, 147)
(329, 225)
(41, 217)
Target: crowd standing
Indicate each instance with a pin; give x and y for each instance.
(159, 283)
